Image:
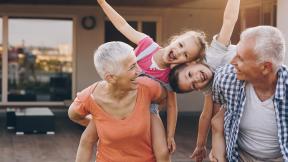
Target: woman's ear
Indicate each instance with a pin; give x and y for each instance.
(110, 78)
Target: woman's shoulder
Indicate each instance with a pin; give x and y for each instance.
(86, 92)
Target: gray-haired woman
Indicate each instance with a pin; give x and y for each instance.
(119, 105)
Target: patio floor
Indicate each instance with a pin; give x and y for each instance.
(62, 146)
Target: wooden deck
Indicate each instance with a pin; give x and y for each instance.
(62, 146)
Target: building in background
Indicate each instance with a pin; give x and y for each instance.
(64, 68)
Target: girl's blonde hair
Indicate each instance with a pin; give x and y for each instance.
(200, 39)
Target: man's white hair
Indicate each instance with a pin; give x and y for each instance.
(269, 44)
(109, 56)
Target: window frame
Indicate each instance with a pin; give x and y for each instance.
(5, 41)
(140, 19)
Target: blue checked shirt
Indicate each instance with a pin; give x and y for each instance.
(230, 92)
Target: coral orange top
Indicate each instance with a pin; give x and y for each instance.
(127, 140)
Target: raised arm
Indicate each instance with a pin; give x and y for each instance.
(229, 20)
(120, 23)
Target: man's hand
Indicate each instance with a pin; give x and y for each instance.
(212, 157)
(199, 154)
(171, 144)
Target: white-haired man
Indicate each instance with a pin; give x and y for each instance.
(253, 91)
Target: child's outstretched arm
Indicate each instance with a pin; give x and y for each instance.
(172, 113)
(120, 23)
(220, 52)
(203, 128)
(229, 20)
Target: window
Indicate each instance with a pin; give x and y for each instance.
(252, 17)
(39, 59)
(112, 34)
(147, 27)
(259, 13)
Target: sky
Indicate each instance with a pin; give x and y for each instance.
(37, 32)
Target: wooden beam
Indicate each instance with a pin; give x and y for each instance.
(178, 2)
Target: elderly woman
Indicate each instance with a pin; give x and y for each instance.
(119, 105)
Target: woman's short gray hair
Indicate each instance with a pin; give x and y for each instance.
(109, 56)
(269, 44)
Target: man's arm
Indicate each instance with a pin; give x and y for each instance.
(229, 20)
(120, 23)
(218, 150)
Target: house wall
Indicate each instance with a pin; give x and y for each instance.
(172, 21)
(282, 22)
(205, 15)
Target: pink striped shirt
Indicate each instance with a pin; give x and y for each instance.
(144, 52)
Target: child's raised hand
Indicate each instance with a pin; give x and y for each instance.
(100, 1)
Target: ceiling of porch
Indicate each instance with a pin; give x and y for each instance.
(166, 3)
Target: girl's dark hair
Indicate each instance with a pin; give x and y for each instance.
(174, 78)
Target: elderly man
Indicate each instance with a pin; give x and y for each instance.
(253, 91)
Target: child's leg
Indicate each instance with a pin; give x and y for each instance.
(218, 141)
(88, 139)
(159, 139)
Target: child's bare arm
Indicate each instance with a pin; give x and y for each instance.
(172, 113)
(120, 23)
(88, 139)
(204, 124)
(229, 20)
